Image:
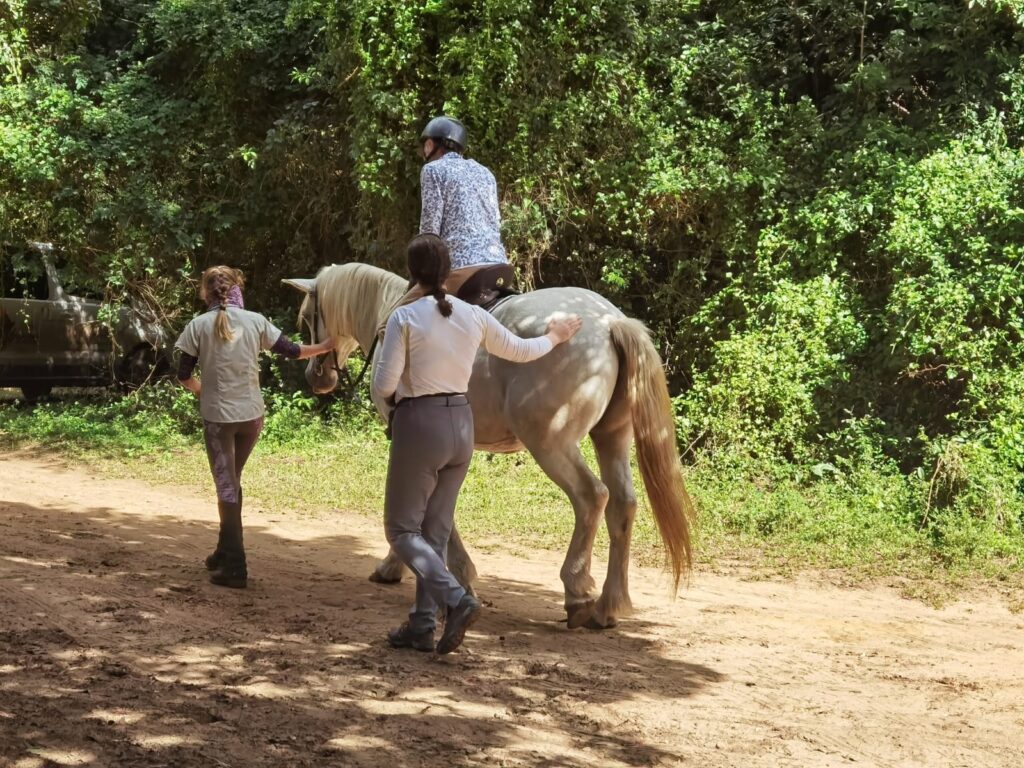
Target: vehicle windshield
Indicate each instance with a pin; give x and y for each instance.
(76, 282)
(22, 275)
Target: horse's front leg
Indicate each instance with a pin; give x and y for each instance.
(460, 564)
(390, 570)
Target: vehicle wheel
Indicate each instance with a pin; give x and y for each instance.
(35, 392)
(140, 367)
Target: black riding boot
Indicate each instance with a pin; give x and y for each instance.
(216, 558)
(231, 571)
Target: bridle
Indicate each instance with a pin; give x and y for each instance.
(318, 365)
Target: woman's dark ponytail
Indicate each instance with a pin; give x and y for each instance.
(429, 266)
(443, 305)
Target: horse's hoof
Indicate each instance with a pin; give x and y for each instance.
(579, 614)
(376, 578)
(593, 623)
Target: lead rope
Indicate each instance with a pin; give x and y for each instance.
(366, 364)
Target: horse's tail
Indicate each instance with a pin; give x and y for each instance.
(655, 435)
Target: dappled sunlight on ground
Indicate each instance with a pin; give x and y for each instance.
(117, 651)
(126, 655)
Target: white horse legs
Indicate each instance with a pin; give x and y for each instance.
(391, 569)
(567, 468)
(613, 458)
(460, 564)
(590, 496)
(612, 495)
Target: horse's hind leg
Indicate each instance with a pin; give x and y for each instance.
(390, 570)
(613, 456)
(567, 468)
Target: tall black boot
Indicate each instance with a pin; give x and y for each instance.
(232, 571)
(216, 558)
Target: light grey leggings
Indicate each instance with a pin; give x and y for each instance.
(431, 446)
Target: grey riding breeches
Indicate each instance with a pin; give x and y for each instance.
(431, 448)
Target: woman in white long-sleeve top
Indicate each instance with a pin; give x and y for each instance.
(424, 369)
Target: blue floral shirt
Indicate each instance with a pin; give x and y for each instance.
(460, 204)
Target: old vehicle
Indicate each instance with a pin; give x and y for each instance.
(56, 333)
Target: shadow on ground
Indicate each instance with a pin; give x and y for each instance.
(114, 650)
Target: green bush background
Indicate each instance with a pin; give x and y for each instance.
(816, 206)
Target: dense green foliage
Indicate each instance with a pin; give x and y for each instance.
(816, 205)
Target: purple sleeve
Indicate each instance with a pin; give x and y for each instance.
(186, 364)
(285, 347)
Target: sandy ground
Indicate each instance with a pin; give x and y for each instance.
(115, 651)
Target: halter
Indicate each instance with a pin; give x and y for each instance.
(342, 373)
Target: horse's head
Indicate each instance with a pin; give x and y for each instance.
(322, 371)
(345, 302)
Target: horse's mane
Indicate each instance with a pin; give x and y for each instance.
(355, 295)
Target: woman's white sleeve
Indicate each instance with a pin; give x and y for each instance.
(501, 342)
(391, 362)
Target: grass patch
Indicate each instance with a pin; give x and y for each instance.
(314, 458)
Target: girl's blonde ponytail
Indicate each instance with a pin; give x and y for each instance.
(215, 286)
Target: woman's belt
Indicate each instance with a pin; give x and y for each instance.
(441, 398)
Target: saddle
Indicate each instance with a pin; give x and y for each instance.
(488, 286)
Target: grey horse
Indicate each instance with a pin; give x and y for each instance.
(607, 382)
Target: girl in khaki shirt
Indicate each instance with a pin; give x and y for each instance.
(225, 342)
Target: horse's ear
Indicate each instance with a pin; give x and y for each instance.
(303, 284)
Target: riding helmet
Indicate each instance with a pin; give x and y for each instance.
(447, 131)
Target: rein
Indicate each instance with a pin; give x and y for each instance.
(366, 364)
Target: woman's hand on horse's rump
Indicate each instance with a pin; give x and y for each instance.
(561, 329)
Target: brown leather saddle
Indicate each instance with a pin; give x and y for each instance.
(488, 286)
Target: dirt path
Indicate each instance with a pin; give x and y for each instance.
(114, 651)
